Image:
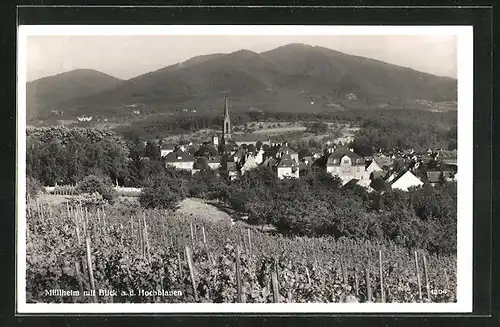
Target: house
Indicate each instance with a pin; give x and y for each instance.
(451, 163)
(180, 159)
(213, 162)
(248, 163)
(405, 180)
(371, 167)
(284, 149)
(346, 164)
(232, 170)
(166, 148)
(434, 176)
(287, 167)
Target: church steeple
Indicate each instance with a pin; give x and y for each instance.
(226, 128)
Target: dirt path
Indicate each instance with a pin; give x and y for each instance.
(199, 209)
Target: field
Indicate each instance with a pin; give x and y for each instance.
(126, 249)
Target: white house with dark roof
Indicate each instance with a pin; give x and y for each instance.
(346, 164)
(287, 167)
(180, 159)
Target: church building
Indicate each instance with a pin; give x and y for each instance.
(227, 137)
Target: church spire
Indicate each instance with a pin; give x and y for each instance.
(226, 128)
(226, 109)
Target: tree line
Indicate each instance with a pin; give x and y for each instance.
(317, 205)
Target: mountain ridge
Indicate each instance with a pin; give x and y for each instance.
(48, 93)
(293, 77)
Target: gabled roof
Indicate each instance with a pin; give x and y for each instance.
(338, 154)
(287, 161)
(179, 156)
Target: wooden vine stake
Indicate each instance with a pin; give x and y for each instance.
(192, 234)
(308, 276)
(418, 277)
(204, 235)
(342, 270)
(249, 240)
(191, 272)
(381, 276)
(427, 279)
(77, 227)
(146, 237)
(239, 293)
(368, 286)
(356, 279)
(141, 236)
(160, 272)
(274, 281)
(180, 266)
(89, 266)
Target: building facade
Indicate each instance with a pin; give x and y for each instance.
(347, 165)
(180, 159)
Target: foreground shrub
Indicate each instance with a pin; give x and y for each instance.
(95, 184)
(164, 192)
(33, 187)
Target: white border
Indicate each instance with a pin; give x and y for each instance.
(465, 156)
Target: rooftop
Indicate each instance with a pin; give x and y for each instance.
(179, 156)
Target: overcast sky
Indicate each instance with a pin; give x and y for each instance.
(129, 56)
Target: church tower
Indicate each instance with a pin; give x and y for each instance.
(226, 128)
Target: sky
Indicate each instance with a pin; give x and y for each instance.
(127, 56)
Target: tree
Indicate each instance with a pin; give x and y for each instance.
(165, 191)
(152, 150)
(318, 128)
(206, 150)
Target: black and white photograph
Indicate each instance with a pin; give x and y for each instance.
(244, 168)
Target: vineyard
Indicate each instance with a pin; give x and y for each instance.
(125, 254)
